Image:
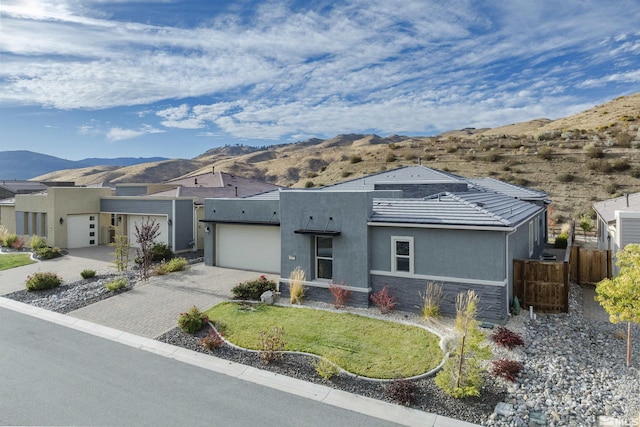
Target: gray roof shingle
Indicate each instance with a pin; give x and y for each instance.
(607, 208)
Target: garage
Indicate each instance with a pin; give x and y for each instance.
(82, 231)
(248, 247)
(132, 220)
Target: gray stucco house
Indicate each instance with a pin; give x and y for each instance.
(402, 228)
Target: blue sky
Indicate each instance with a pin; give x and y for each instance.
(110, 78)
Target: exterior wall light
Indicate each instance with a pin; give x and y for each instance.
(61, 220)
(207, 229)
(170, 221)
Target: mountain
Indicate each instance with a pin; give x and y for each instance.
(590, 156)
(25, 164)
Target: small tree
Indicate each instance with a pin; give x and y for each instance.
(461, 375)
(146, 234)
(121, 252)
(620, 296)
(586, 225)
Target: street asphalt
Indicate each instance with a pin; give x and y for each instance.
(135, 317)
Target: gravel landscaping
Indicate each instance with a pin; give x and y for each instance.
(574, 368)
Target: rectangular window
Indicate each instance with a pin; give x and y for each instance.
(537, 231)
(324, 257)
(92, 226)
(402, 254)
(92, 218)
(531, 238)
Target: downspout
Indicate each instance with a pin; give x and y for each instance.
(506, 266)
(173, 226)
(195, 226)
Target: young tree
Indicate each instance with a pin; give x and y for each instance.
(146, 234)
(121, 252)
(620, 296)
(586, 225)
(461, 375)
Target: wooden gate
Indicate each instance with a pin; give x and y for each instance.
(542, 284)
(589, 266)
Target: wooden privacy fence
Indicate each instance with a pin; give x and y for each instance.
(589, 266)
(542, 284)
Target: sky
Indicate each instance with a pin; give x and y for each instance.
(174, 78)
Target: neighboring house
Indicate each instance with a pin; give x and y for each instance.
(618, 222)
(75, 217)
(401, 229)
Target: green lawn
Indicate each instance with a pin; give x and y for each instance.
(363, 346)
(8, 261)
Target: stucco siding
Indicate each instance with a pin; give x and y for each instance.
(137, 205)
(183, 224)
(444, 252)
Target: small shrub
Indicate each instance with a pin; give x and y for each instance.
(619, 334)
(10, 239)
(611, 188)
(37, 242)
(391, 157)
(431, 300)
(345, 174)
(402, 392)
(592, 151)
(384, 300)
(271, 345)
(252, 289)
(296, 289)
(355, 159)
(192, 321)
(505, 337)
(325, 368)
(506, 368)
(42, 281)
(561, 241)
(18, 244)
(116, 285)
(88, 274)
(212, 341)
(309, 184)
(410, 156)
(545, 153)
(175, 264)
(599, 165)
(340, 294)
(161, 251)
(566, 177)
(451, 148)
(621, 165)
(48, 252)
(635, 172)
(493, 157)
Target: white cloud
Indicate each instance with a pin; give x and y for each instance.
(277, 73)
(118, 134)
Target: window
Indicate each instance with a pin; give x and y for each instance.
(402, 254)
(530, 238)
(537, 230)
(324, 257)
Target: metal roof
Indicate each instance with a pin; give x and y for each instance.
(607, 208)
(473, 208)
(509, 189)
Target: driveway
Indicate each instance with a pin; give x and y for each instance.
(152, 307)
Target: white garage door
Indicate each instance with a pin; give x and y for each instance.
(248, 247)
(132, 220)
(82, 231)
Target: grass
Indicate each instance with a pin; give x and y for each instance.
(14, 260)
(367, 347)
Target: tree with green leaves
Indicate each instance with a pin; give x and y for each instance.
(461, 375)
(146, 234)
(586, 225)
(620, 296)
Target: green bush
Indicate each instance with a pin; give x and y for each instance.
(309, 184)
(88, 274)
(561, 241)
(192, 321)
(116, 284)
(176, 264)
(42, 281)
(47, 252)
(325, 368)
(252, 289)
(161, 251)
(37, 242)
(10, 239)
